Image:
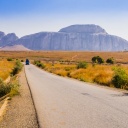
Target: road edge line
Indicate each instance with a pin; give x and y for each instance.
(32, 98)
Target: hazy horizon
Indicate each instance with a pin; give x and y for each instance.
(27, 17)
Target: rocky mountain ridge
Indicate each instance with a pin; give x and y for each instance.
(74, 38)
(7, 39)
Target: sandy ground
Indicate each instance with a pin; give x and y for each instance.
(21, 112)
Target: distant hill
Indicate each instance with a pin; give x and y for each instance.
(7, 39)
(14, 48)
(73, 38)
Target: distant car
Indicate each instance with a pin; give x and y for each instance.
(27, 61)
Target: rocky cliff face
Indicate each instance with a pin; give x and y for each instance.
(7, 39)
(1, 34)
(75, 37)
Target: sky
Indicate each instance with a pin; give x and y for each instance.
(25, 17)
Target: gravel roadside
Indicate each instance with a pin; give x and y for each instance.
(21, 112)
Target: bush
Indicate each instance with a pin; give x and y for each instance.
(97, 59)
(120, 78)
(4, 89)
(82, 65)
(67, 68)
(39, 64)
(36, 62)
(110, 60)
(9, 59)
(14, 87)
(17, 68)
(11, 88)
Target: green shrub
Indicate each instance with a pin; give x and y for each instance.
(67, 68)
(12, 88)
(82, 65)
(69, 74)
(4, 89)
(120, 78)
(110, 60)
(97, 59)
(39, 64)
(37, 61)
(17, 68)
(9, 59)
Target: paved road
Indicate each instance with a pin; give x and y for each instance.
(67, 103)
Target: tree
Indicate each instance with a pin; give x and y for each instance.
(110, 60)
(97, 59)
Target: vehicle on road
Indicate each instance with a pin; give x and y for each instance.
(27, 62)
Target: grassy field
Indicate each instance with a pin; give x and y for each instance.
(5, 68)
(64, 63)
(120, 57)
(93, 73)
(101, 74)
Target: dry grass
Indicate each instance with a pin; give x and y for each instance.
(63, 63)
(5, 68)
(120, 57)
(59, 69)
(101, 74)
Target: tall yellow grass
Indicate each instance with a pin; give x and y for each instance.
(101, 74)
(5, 68)
(59, 69)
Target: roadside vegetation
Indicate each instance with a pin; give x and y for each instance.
(17, 68)
(39, 64)
(9, 68)
(6, 68)
(104, 72)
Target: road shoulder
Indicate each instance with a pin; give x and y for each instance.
(21, 112)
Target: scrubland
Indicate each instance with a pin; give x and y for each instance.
(10, 68)
(101, 74)
(6, 68)
(64, 63)
(112, 75)
(120, 57)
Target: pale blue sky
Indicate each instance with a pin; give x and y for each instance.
(30, 16)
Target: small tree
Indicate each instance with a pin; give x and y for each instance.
(110, 60)
(94, 59)
(97, 59)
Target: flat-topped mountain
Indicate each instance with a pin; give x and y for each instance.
(90, 29)
(75, 37)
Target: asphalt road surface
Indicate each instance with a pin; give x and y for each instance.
(67, 103)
